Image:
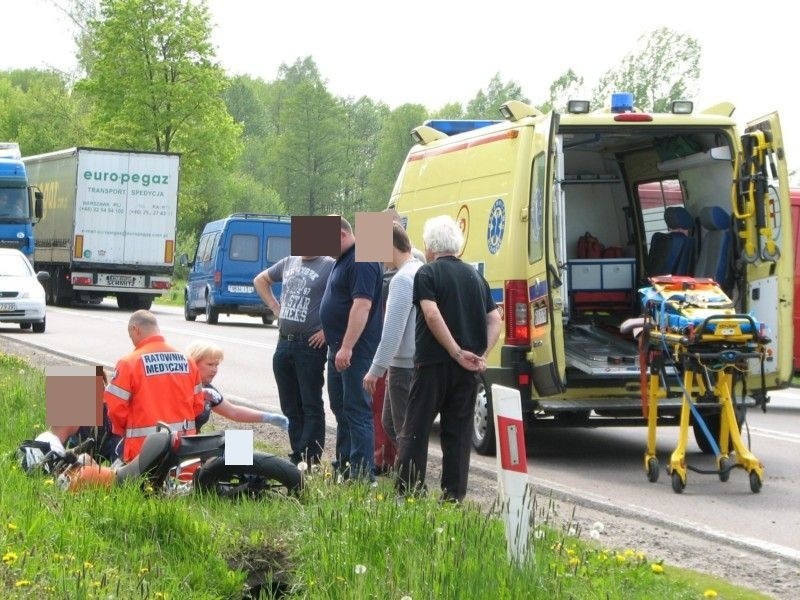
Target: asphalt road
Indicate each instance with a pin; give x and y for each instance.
(603, 466)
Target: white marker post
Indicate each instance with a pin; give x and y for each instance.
(512, 470)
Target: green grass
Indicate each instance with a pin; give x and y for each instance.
(336, 542)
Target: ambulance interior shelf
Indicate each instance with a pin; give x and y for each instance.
(601, 283)
(587, 178)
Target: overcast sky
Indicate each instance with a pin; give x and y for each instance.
(438, 51)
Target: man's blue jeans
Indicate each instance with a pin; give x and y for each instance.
(299, 372)
(352, 406)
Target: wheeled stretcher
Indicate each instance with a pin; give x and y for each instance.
(691, 328)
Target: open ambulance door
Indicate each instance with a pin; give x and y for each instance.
(762, 213)
(546, 283)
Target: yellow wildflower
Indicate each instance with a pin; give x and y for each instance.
(710, 593)
(629, 553)
(143, 571)
(22, 583)
(10, 557)
(87, 565)
(11, 526)
(656, 568)
(621, 558)
(574, 561)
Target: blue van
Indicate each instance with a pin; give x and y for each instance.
(230, 253)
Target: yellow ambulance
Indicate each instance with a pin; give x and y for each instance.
(568, 215)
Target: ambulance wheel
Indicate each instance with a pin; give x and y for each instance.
(712, 422)
(483, 421)
(678, 484)
(653, 470)
(188, 313)
(755, 482)
(725, 466)
(212, 314)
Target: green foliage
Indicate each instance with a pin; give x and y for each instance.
(160, 53)
(566, 87)
(395, 142)
(486, 104)
(664, 67)
(38, 110)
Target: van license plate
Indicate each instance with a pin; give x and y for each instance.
(241, 289)
(8, 306)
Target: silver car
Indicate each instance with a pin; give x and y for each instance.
(22, 297)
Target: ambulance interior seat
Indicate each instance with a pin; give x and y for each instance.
(672, 253)
(716, 251)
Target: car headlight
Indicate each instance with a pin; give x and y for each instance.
(24, 294)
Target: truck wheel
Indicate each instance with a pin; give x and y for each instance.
(483, 421)
(212, 314)
(125, 301)
(25, 325)
(39, 327)
(144, 302)
(188, 313)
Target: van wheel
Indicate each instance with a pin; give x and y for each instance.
(267, 320)
(39, 327)
(188, 313)
(483, 421)
(212, 314)
(25, 325)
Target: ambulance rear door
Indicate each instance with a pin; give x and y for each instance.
(762, 211)
(546, 288)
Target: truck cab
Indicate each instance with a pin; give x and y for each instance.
(654, 190)
(20, 204)
(229, 254)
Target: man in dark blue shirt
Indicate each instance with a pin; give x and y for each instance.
(351, 315)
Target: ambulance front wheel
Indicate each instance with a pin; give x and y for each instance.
(483, 421)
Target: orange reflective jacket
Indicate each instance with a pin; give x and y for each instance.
(153, 383)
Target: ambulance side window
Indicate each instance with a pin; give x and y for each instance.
(536, 210)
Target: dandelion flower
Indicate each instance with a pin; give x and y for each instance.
(594, 534)
(22, 583)
(598, 526)
(710, 593)
(629, 553)
(621, 558)
(10, 557)
(161, 596)
(95, 584)
(87, 565)
(380, 497)
(11, 526)
(302, 466)
(656, 568)
(144, 571)
(361, 569)
(574, 561)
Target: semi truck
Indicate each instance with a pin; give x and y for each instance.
(109, 224)
(20, 203)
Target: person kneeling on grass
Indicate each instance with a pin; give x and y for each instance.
(207, 358)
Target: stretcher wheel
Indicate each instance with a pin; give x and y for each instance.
(755, 482)
(653, 470)
(678, 484)
(725, 466)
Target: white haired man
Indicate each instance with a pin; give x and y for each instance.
(457, 325)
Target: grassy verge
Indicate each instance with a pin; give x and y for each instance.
(174, 297)
(337, 541)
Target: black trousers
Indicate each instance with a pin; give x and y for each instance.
(449, 391)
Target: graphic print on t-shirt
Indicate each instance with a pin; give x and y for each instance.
(297, 293)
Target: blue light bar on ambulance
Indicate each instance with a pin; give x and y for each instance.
(621, 102)
(454, 126)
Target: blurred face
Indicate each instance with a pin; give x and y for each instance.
(208, 368)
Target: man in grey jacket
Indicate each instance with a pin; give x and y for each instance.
(395, 352)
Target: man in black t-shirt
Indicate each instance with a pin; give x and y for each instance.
(457, 325)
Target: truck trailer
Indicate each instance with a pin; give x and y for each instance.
(20, 204)
(109, 224)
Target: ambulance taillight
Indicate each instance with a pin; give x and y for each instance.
(517, 311)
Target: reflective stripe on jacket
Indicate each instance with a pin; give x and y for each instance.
(153, 383)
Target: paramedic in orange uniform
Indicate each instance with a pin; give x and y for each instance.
(153, 383)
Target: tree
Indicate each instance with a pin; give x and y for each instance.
(486, 104)
(665, 67)
(395, 142)
(305, 149)
(152, 76)
(38, 111)
(563, 89)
